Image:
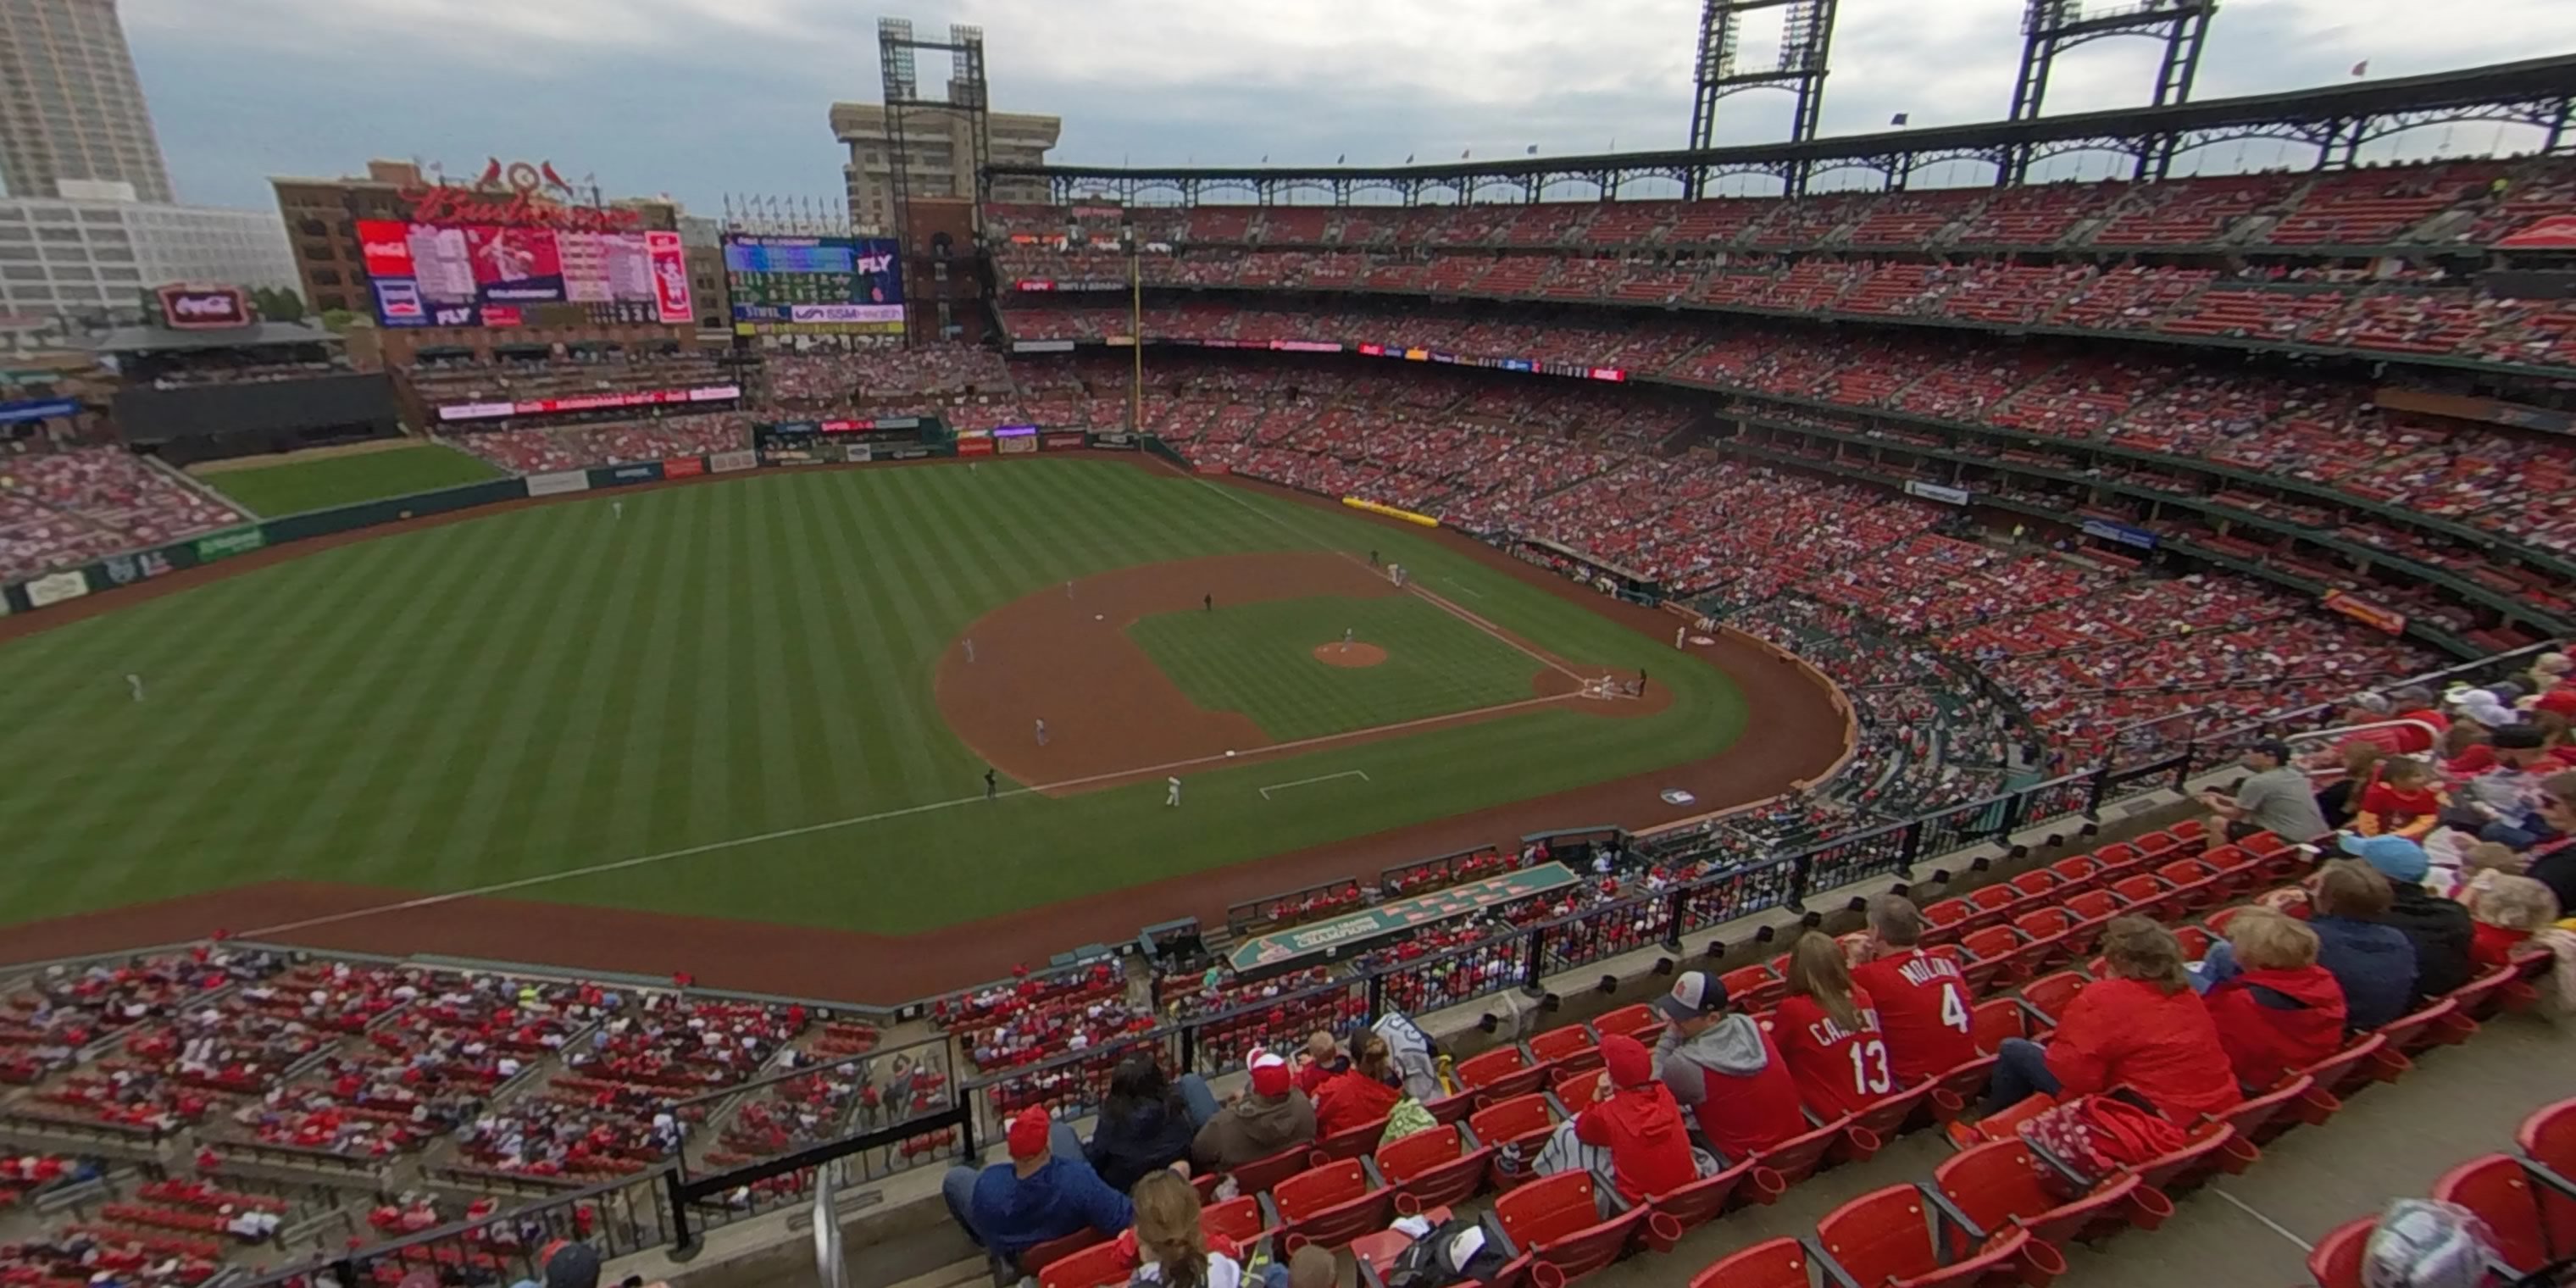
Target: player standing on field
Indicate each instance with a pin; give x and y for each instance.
(1041, 732)
(970, 648)
(617, 509)
(1171, 791)
(134, 682)
(991, 788)
(1209, 601)
(1346, 639)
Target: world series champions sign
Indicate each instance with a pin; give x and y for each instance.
(1287, 949)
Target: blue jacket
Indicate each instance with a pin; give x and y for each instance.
(2374, 963)
(1013, 1214)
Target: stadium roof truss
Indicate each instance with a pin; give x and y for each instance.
(2336, 121)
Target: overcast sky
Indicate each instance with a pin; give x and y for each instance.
(698, 98)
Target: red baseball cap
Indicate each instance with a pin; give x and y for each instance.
(1270, 1077)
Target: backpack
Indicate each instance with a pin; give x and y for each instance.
(2419, 1243)
(1450, 1252)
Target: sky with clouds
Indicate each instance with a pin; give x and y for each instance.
(699, 98)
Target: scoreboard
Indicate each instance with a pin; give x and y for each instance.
(814, 285)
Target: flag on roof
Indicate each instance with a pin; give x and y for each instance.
(1899, 119)
(2361, 68)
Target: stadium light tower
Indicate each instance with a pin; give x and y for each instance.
(2051, 27)
(968, 99)
(1806, 37)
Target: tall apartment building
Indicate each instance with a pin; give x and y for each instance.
(72, 118)
(940, 161)
(93, 259)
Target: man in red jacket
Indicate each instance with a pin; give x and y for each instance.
(2282, 1011)
(1923, 1005)
(1726, 1070)
(1634, 1117)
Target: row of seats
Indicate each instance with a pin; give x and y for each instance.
(2462, 203)
(539, 449)
(2527, 1204)
(64, 508)
(1989, 1214)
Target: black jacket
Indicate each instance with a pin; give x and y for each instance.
(1124, 1149)
(2440, 931)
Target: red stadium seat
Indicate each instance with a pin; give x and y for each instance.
(1038, 1258)
(2205, 1150)
(2260, 1118)
(2038, 886)
(1097, 1266)
(2336, 1260)
(2093, 910)
(1955, 1090)
(1772, 1263)
(2548, 1139)
(2477, 1000)
(1886, 1237)
(1696, 1204)
(2047, 931)
(1795, 1159)
(1566, 1049)
(1237, 1219)
(1639, 1021)
(2077, 873)
(2195, 885)
(2501, 1193)
(1989, 1023)
(1431, 1169)
(2003, 1183)
(1945, 921)
(1999, 957)
(2049, 994)
(1329, 1205)
(1350, 1142)
(1752, 988)
(1575, 1090)
(1500, 1074)
(1257, 1176)
(1867, 1130)
(2412, 1032)
(2144, 895)
(1558, 1219)
(1512, 1127)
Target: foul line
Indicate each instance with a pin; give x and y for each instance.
(1444, 605)
(810, 829)
(1360, 774)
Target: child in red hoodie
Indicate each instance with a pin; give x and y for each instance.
(1636, 1118)
(2508, 910)
(2283, 1011)
(2406, 800)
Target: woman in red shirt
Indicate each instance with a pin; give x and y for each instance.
(1828, 1032)
(2143, 1028)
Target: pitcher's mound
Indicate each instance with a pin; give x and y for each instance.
(1340, 654)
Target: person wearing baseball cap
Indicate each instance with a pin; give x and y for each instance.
(1723, 1068)
(2276, 798)
(1266, 1119)
(2440, 929)
(1046, 1191)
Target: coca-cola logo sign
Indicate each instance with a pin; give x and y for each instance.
(205, 308)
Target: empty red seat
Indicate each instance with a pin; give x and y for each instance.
(1752, 987)
(1329, 1205)
(1888, 1237)
(1568, 1048)
(1094, 1267)
(2548, 1139)
(1992, 904)
(1696, 1204)
(1866, 1130)
(2003, 1183)
(2341, 1074)
(2336, 1260)
(2410, 1033)
(1640, 1021)
(2194, 940)
(1795, 1159)
(2234, 871)
(2045, 933)
(2260, 1118)
(2050, 994)
(1430, 1169)
(1257, 1176)
(1989, 1023)
(1952, 1092)
(2117, 859)
(2077, 873)
(2218, 921)
(2194, 885)
(1517, 1125)
(2033, 886)
(1998, 953)
(1558, 1219)
(1772, 1263)
(1945, 921)
(2093, 910)
(2498, 1189)
(1575, 1090)
(1500, 1074)
(2205, 1149)
(1237, 1219)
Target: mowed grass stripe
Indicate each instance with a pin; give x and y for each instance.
(579, 750)
(888, 732)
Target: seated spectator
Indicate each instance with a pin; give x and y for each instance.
(1046, 1191)
(2439, 928)
(2554, 859)
(1365, 1090)
(1723, 1067)
(2414, 702)
(2275, 799)
(1146, 1121)
(1922, 1000)
(1638, 1121)
(1320, 1062)
(2373, 961)
(1171, 1248)
(1829, 1032)
(1272, 1116)
(2280, 1011)
(2508, 910)
(2406, 800)
(2503, 802)
(2340, 801)
(2143, 1028)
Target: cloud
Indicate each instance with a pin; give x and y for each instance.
(702, 97)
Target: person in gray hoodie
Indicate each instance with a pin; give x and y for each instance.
(1724, 1069)
(1274, 1116)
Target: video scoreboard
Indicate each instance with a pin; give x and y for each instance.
(814, 285)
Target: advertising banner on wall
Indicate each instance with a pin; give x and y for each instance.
(2120, 532)
(224, 545)
(56, 588)
(739, 459)
(559, 483)
(1936, 492)
(683, 467)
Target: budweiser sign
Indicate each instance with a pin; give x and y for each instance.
(520, 194)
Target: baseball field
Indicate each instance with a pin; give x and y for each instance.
(768, 705)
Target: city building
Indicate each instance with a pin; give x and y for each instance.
(940, 158)
(94, 259)
(321, 227)
(72, 118)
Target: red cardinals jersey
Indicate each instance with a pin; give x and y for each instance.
(1924, 1012)
(1838, 1070)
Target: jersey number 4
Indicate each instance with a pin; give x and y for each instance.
(1954, 1009)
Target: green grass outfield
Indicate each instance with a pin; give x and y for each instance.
(1259, 659)
(327, 481)
(541, 689)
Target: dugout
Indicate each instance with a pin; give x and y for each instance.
(1599, 573)
(260, 388)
